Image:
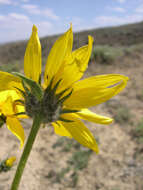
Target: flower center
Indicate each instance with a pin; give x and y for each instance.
(50, 105)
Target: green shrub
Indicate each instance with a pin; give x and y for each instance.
(66, 144)
(122, 115)
(139, 131)
(79, 159)
(133, 48)
(60, 175)
(106, 54)
(11, 67)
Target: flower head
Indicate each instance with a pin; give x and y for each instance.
(7, 164)
(9, 111)
(63, 99)
(10, 161)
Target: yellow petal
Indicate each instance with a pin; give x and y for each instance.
(75, 66)
(8, 81)
(95, 90)
(7, 107)
(61, 49)
(80, 132)
(5, 94)
(18, 109)
(32, 58)
(61, 130)
(16, 128)
(93, 117)
(82, 55)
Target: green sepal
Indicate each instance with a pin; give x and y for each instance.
(64, 120)
(65, 97)
(21, 91)
(20, 101)
(49, 87)
(20, 113)
(56, 86)
(35, 87)
(64, 111)
(39, 81)
(25, 88)
(61, 93)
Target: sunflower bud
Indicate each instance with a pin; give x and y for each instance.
(7, 164)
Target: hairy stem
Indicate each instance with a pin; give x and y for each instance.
(26, 152)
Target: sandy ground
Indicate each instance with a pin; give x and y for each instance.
(115, 168)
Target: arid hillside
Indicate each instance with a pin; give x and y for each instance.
(125, 35)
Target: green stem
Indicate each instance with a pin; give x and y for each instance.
(26, 152)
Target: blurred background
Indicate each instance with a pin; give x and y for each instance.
(57, 163)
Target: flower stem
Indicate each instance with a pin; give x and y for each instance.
(26, 152)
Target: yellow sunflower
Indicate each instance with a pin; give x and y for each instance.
(10, 161)
(63, 99)
(9, 111)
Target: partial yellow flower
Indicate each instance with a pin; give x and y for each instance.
(7, 164)
(10, 161)
(9, 81)
(8, 113)
(63, 99)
